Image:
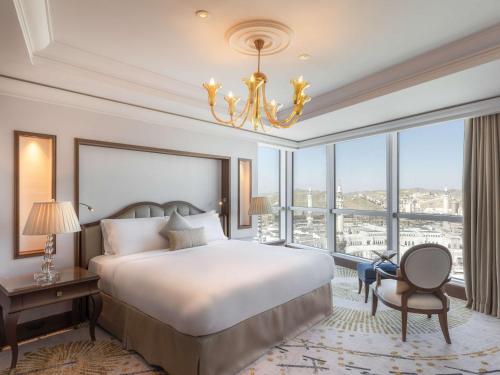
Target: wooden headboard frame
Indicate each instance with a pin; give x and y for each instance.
(90, 242)
(82, 254)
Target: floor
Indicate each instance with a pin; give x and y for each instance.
(348, 342)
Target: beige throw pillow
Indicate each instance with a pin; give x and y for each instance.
(401, 286)
(183, 239)
(175, 222)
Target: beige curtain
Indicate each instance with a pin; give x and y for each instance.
(482, 214)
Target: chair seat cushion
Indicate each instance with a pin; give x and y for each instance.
(422, 301)
(367, 273)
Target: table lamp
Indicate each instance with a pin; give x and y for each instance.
(50, 218)
(260, 206)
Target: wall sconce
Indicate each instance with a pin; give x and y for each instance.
(90, 208)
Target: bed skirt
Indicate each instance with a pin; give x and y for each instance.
(222, 353)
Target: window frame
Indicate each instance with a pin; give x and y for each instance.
(356, 212)
(280, 209)
(291, 208)
(397, 215)
(392, 214)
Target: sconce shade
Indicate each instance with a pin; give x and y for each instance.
(260, 206)
(51, 218)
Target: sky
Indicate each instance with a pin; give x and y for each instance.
(268, 170)
(430, 157)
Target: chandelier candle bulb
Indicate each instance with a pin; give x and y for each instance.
(212, 87)
(232, 101)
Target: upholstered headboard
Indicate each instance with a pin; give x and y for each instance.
(90, 242)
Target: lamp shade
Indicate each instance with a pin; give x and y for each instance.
(260, 206)
(51, 218)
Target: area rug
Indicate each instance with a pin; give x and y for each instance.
(350, 341)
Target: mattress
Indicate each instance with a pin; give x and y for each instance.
(207, 289)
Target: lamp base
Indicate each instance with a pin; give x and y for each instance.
(46, 277)
(48, 274)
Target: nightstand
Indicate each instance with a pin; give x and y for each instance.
(271, 242)
(21, 293)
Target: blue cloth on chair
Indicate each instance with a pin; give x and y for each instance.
(367, 274)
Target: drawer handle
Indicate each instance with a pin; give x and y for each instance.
(59, 293)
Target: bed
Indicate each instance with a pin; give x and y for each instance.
(206, 310)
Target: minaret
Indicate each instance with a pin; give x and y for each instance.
(309, 204)
(339, 202)
(446, 200)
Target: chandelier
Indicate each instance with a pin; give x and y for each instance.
(257, 106)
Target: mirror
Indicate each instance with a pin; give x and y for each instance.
(35, 180)
(244, 193)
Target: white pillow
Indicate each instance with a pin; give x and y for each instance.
(211, 222)
(128, 236)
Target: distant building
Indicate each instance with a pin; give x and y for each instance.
(339, 202)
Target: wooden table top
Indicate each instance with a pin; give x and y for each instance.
(16, 285)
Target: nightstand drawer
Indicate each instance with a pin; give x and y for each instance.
(61, 293)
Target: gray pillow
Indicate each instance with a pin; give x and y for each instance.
(175, 222)
(186, 238)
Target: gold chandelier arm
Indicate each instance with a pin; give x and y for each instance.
(273, 120)
(218, 119)
(243, 111)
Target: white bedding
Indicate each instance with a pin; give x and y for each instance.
(206, 289)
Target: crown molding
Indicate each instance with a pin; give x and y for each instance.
(35, 21)
(42, 47)
(477, 108)
(19, 88)
(473, 50)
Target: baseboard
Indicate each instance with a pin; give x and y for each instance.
(43, 326)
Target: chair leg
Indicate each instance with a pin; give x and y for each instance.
(374, 303)
(367, 291)
(360, 282)
(404, 323)
(443, 322)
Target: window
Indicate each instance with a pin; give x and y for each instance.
(446, 233)
(430, 169)
(430, 188)
(361, 174)
(309, 177)
(309, 213)
(309, 228)
(360, 235)
(361, 196)
(268, 176)
(350, 198)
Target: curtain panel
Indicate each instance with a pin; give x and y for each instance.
(481, 204)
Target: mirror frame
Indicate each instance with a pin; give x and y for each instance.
(18, 254)
(240, 203)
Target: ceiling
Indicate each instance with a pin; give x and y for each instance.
(371, 61)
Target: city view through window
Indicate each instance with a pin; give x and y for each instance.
(430, 195)
(309, 191)
(269, 186)
(430, 180)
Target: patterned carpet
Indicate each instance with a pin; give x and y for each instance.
(348, 342)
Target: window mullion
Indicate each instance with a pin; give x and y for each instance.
(330, 190)
(289, 196)
(392, 191)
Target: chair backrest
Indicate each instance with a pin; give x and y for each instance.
(426, 266)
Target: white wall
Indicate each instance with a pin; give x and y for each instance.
(69, 123)
(111, 179)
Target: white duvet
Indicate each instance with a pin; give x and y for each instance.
(207, 289)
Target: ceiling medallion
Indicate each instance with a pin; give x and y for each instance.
(258, 38)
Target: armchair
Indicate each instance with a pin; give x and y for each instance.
(418, 287)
